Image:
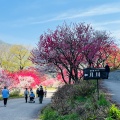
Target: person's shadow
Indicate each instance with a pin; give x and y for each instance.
(2, 106)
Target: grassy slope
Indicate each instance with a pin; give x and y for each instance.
(80, 102)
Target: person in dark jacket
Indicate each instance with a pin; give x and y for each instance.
(107, 70)
(5, 95)
(41, 94)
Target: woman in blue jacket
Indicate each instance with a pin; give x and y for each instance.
(5, 95)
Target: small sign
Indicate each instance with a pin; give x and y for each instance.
(94, 73)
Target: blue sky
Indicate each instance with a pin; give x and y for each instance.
(23, 21)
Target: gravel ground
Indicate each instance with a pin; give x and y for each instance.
(17, 109)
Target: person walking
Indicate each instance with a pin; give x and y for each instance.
(107, 70)
(41, 94)
(31, 90)
(26, 93)
(5, 95)
(37, 92)
(45, 92)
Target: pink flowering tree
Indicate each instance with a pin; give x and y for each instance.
(48, 83)
(6, 80)
(71, 48)
(52, 82)
(103, 42)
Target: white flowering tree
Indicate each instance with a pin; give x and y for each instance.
(25, 81)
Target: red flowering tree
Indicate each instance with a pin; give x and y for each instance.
(72, 48)
(114, 58)
(27, 78)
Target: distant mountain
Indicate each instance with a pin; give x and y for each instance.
(2, 43)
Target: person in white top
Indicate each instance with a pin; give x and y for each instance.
(26, 94)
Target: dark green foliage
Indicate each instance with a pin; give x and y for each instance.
(80, 99)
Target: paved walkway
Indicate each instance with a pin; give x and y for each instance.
(17, 109)
(113, 85)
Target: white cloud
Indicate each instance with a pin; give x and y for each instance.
(99, 10)
(109, 22)
(71, 14)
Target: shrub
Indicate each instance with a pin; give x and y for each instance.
(114, 112)
(65, 98)
(48, 114)
(15, 93)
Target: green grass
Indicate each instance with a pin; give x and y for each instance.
(102, 101)
(48, 114)
(72, 116)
